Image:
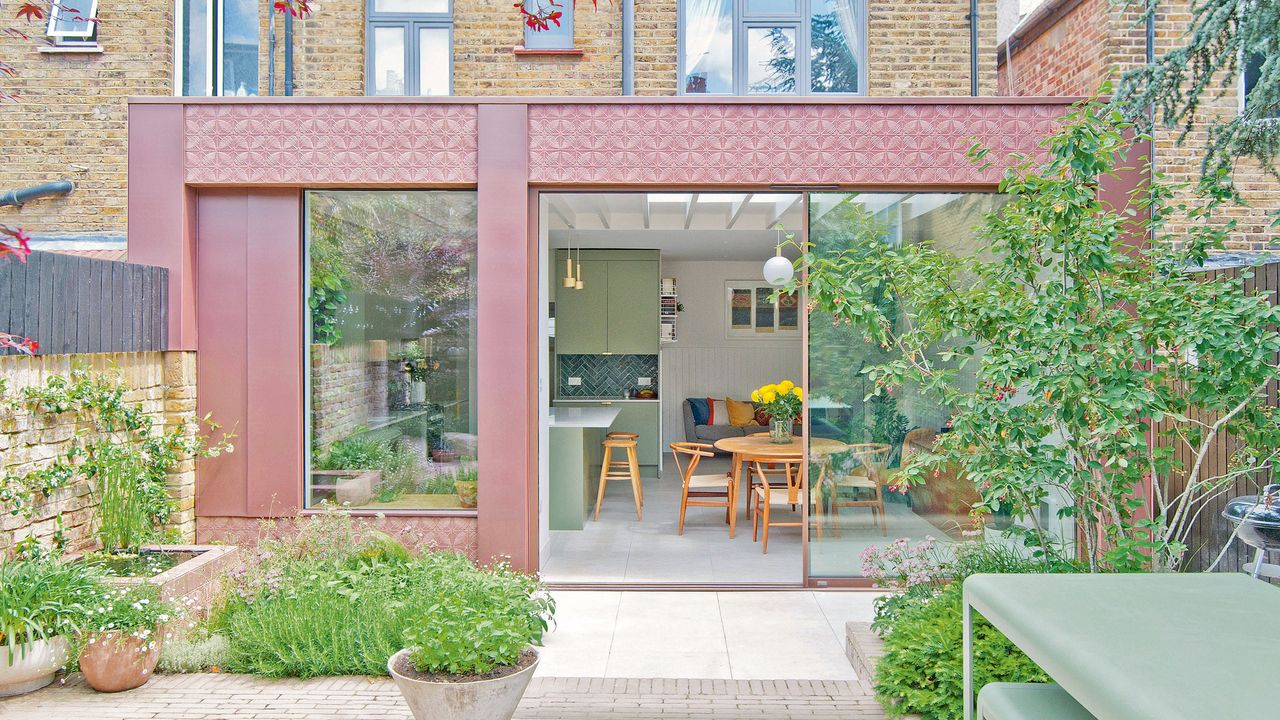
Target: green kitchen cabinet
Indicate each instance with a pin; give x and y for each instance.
(633, 307)
(616, 311)
(582, 322)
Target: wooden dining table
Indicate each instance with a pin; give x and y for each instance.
(760, 448)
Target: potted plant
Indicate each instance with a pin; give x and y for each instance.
(42, 603)
(120, 644)
(472, 653)
(782, 403)
(464, 483)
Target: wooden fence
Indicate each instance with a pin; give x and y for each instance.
(1211, 532)
(72, 304)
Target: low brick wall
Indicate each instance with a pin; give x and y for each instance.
(162, 382)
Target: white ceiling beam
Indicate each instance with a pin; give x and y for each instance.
(780, 208)
(735, 212)
(554, 204)
(689, 209)
(602, 211)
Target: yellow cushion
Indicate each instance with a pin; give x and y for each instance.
(741, 414)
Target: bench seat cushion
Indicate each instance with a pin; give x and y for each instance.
(1028, 701)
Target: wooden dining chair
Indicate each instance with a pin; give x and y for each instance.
(868, 475)
(764, 496)
(710, 490)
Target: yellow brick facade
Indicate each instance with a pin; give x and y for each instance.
(71, 121)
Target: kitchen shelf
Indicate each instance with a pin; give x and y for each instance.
(668, 307)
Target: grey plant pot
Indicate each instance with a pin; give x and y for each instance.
(494, 699)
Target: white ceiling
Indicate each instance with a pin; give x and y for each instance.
(683, 226)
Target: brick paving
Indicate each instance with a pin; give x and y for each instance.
(243, 697)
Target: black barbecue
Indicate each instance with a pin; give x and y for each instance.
(1257, 518)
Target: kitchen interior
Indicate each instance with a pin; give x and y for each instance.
(634, 305)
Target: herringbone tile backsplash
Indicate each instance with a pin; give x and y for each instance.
(605, 375)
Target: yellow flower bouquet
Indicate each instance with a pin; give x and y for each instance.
(783, 403)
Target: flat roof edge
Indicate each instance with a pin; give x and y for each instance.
(611, 100)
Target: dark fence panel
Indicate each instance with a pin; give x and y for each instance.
(1211, 532)
(73, 304)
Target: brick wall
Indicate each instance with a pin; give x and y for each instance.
(1096, 41)
(163, 383)
(342, 393)
(70, 121)
(921, 47)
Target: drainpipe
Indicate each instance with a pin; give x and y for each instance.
(271, 53)
(288, 54)
(628, 47)
(973, 47)
(60, 188)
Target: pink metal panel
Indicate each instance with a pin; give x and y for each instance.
(249, 361)
(159, 214)
(275, 373)
(506, 366)
(317, 144)
(763, 144)
(221, 369)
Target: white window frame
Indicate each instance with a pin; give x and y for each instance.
(213, 55)
(412, 22)
(1243, 90)
(755, 286)
(89, 35)
(801, 20)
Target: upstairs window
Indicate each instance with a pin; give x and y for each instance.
(555, 37)
(410, 47)
(790, 47)
(216, 51)
(1250, 73)
(71, 22)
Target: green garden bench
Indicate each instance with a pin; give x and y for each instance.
(1028, 701)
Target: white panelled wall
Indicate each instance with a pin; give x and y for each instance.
(703, 362)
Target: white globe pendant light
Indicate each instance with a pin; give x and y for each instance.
(778, 270)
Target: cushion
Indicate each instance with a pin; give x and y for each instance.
(712, 433)
(740, 413)
(719, 412)
(762, 417)
(701, 412)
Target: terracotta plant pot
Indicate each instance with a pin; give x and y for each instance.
(31, 666)
(466, 493)
(443, 456)
(112, 663)
(491, 699)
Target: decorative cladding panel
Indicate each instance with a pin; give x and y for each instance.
(330, 143)
(679, 144)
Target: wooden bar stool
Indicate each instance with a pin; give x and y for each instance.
(628, 468)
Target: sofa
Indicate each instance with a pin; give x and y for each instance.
(711, 433)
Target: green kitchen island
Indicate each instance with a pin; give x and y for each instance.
(575, 456)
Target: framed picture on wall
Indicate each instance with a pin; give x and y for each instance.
(751, 310)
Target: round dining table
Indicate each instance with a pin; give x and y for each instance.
(760, 448)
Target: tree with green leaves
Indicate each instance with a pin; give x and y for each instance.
(1100, 363)
(1225, 39)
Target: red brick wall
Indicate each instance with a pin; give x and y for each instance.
(1070, 58)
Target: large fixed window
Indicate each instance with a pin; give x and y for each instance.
(410, 47)
(794, 47)
(217, 47)
(392, 374)
(1250, 73)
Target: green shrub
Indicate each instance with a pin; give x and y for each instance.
(339, 598)
(922, 668)
(478, 621)
(193, 654)
(398, 465)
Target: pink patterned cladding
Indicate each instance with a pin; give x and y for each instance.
(678, 144)
(330, 144)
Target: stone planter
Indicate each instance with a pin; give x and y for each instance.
(492, 699)
(466, 490)
(197, 579)
(31, 666)
(354, 487)
(111, 663)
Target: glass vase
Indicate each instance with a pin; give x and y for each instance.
(780, 431)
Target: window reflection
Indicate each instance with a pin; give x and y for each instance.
(708, 46)
(392, 293)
